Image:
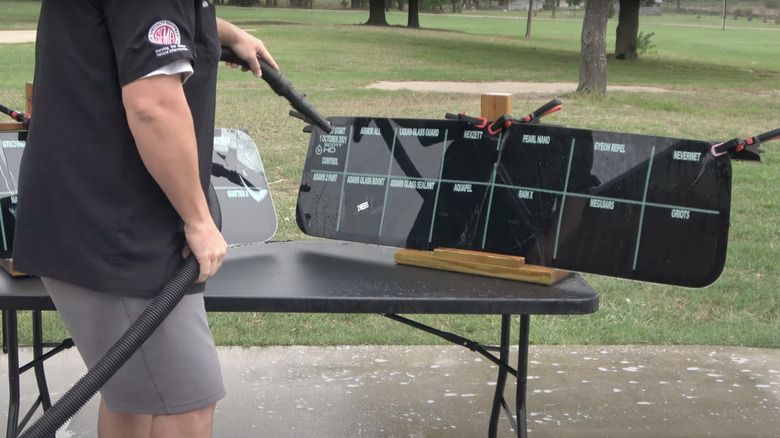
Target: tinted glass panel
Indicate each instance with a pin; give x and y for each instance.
(624, 205)
(248, 214)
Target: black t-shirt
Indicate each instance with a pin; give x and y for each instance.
(89, 212)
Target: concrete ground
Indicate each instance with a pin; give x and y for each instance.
(446, 391)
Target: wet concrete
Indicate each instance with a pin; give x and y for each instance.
(446, 391)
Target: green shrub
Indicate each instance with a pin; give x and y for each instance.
(644, 43)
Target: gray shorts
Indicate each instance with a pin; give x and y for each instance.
(176, 370)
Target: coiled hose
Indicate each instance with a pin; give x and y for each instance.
(141, 329)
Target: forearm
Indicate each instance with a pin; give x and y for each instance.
(246, 46)
(161, 124)
(228, 32)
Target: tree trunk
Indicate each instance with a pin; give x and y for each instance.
(593, 51)
(414, 14)
(355, 4)
(376, 13)
(528, 21)
(627, 30)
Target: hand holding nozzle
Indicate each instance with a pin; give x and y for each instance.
(283, 87)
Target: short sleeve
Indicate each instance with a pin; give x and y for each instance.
(181, 67)
(149, 34)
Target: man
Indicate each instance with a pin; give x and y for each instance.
(111, 194)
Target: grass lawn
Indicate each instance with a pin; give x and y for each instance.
(723, 84)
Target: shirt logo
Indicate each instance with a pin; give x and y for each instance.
(164, 32)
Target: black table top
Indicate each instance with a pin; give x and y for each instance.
(340, 277)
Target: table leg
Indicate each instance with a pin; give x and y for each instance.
(12, 345)
(40, 375)
(504, 368)
(522, 376)
(5, 342)
(503, 356)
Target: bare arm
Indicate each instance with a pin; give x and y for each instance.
(162, 126)
(246, 46)
(161, 122)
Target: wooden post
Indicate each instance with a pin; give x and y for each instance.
(494, 105)
(28, 91)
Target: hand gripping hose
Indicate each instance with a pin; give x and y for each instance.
(143, 327)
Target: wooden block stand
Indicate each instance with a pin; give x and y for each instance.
(493, 106)
(481, 263)
(12, 126)
(8, 264)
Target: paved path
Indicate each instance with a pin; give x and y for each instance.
(512, 87)
(17, 36)
(446, 391)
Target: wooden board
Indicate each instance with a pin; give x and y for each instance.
(485, 264)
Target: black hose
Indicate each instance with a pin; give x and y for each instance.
(16, 115)
(769, 135)
(141, 329)
(283, 87)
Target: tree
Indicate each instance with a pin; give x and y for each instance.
(414, 14)
(627, 30)
(593, 51)
(376, 13)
